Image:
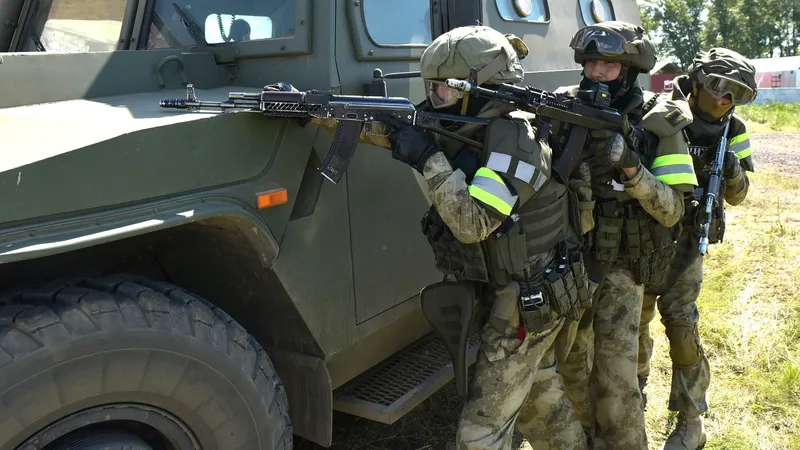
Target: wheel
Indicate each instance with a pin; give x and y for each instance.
(124, 362)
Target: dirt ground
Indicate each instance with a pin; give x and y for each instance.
(776, 151)
(432, 424)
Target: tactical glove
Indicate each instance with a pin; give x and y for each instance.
(410, 144)
(612, 149)
(730, 166)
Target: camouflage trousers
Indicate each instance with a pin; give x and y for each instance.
(501, 397)
(599, 371)
(677, 303)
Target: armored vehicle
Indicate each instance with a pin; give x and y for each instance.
(181, 279)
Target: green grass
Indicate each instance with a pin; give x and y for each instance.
(771, 117)
(750, 326)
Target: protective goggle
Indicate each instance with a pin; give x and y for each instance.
(720, 86)
(608, 42)
(440, 95)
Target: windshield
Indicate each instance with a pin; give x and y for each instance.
(68, 26)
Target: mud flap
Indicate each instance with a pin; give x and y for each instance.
(449, 306)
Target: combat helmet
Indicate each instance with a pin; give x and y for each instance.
(616, 41)
(725, 72)
(494, 55)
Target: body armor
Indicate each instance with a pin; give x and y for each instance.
(541, 228)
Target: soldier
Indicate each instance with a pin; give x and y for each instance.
(639, 180)
(717, 81)
(492, 205)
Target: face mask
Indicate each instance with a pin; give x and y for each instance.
(705, 106)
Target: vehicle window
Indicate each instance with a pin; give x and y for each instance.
(394, 22)
(523, 10)
(596, 11)
(73, 26)
(179, 23)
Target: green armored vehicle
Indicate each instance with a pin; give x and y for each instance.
(181, 279)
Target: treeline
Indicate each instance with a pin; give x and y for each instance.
(754, 28)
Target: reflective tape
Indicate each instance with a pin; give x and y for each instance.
(499, 162)
(525, 171)
(740, 145)
(674, 169)
(488, 188)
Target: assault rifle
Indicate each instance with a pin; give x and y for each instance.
(589, 111)
(354, 113)
(711, 194)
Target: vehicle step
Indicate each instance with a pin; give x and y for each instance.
(395, 386)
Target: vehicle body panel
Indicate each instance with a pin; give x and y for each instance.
(90, 159)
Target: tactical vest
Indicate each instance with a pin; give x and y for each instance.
(624, 232)
(542, 227)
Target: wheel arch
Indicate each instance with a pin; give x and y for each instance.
(214, 248)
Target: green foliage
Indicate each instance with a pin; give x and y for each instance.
(754, 28)
(774, 116)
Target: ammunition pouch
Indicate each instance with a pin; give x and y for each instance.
(607, 232)
(626, 231)
(562, 289)
(462, 261)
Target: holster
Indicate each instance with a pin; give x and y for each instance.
(449, 306)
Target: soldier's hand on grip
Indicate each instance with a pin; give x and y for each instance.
(610, 148)
(410, 144)
(731, 166)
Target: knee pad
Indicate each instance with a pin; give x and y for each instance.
(684, 343)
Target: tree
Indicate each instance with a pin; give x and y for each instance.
(679, 23)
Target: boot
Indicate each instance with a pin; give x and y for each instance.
(642, 384)
(689, 433)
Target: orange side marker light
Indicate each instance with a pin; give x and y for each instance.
(271, 198)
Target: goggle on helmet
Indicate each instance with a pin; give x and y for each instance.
(608, 42)
(440, 95)
(720, 86)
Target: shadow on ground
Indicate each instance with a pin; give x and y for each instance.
(429, 426)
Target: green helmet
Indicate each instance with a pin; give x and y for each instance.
(725, 72)
(495, 55)
(616, 41)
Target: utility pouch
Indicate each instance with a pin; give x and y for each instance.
(453, 257)
(504, 308)
(584, 204)
(534, 310)
(509, 254)
(608, 232)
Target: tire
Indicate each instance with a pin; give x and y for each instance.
(71, 346)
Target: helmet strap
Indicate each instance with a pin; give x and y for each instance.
(489, 70)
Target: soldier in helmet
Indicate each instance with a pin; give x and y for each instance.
(717, 81)
(639, 179)
(503, 208)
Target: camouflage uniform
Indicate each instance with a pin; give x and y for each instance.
(634, 218)
(677, 294)
(510, 214)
